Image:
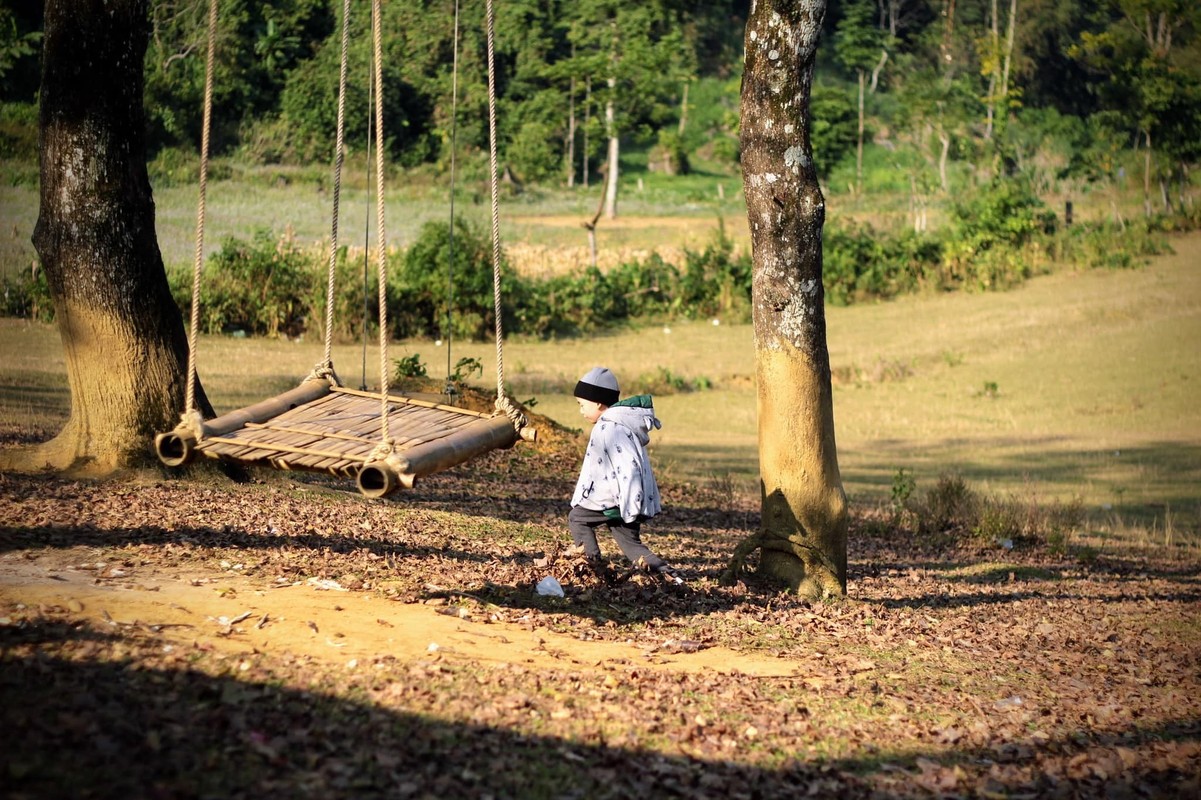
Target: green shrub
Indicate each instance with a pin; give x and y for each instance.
(411, 366)
(861, 263)
(835, 122)
(419, 291)
(950, 504)
(663, 382)
(19, 131)
(714, 281)
(535, 152)
(262, 287)
(27, 296)
(356, 295)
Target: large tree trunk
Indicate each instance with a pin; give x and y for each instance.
(126, 351)
(803, 533)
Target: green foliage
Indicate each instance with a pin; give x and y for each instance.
(664, 382)
(535, 153)
(356, 295)
(860, 262)
(27, 296)
(953, 506)
(465, 368)
(15, 44)
(949, 504)
(715, 282)
(833, 126)
(419, 292)
(309, 107)
(261, 287)
(992, 232)
(1006, 213)
(903, 485)
(411, 366)
(19, 131)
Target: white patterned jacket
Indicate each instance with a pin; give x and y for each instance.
(616, 472)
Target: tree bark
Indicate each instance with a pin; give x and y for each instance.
(803, 533)
(126, 351)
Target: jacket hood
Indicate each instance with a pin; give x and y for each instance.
(637, 414)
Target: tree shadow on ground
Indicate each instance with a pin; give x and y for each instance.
(145, 726)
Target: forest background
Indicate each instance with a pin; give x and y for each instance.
(953, 139)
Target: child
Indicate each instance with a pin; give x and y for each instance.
(616, 486)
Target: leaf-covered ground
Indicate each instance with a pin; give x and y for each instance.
(280, 638)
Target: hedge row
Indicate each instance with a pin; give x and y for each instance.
(268, 287)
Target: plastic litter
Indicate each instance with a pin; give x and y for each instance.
(549, 587)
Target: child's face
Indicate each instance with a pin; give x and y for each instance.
(590, 410)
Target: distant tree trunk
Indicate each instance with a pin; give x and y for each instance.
(994, 35)
(1007, 63)
(1147, 176)
(803, 533)
(683, 126)
(587, 121)
(877, 69)
(126, 351)
(944, 139)
(859, 140)
(571, 134)
(614, 154)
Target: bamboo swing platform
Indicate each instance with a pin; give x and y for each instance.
(323, 427)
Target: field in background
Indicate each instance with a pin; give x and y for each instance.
(540, 227)
(1077, 385)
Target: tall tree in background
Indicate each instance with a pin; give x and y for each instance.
(635, 54)
(1151, 53)
(123, 334)
(859, 44)
(803, 533)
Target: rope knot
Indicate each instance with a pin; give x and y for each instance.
(512, 411)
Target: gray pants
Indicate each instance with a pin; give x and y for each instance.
(583, 523)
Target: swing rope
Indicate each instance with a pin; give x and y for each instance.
(385, 446)
(502, 401)
(367, 235)
(326, 368)
(191, 417)
(454, 138)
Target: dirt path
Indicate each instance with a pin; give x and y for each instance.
(234, 614)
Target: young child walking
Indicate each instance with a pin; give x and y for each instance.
(616, 487)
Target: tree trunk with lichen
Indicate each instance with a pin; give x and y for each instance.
(126, 349)
(803, 533)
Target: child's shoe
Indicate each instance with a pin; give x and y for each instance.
(670, 575)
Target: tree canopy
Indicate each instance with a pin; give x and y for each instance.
(944, 75)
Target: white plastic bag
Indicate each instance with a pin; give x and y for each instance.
(549, 587)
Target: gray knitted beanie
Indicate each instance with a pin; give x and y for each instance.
(598, 385)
